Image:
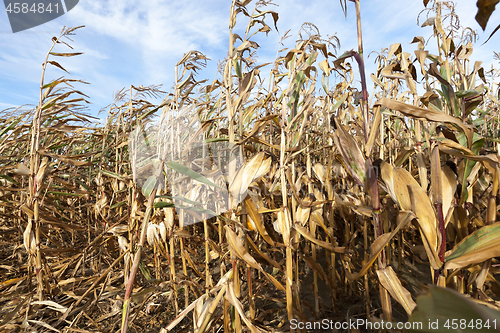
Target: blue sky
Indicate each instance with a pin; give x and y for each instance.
(139, 42)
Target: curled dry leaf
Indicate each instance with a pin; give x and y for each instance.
(449, 186)
(352, 157)
(282, 225)
(320, 172)
(450, 147)
(163, 231)
(396, 181)
(237, 247)
(422, 207)
(239, 308)
(390, 281)
(22, 170)
(302, 214)
(29, 239)
(257, 220)
(122, 243)
(253, 170)
(408, 194)
(169, 218)
(304, 232)
(118, 229)
(152, 233)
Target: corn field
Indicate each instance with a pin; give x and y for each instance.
(251, 203)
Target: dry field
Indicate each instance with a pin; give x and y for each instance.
(331, 202)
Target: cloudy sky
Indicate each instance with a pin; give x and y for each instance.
(138, 42)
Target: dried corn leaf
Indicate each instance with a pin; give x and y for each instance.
(378, 245)
(256, 217)
(396, 182)
(432, 115)
(390, 281)
(239, 307)
(317, 269)
(29, 239)
(422, 207)
(237, 247)
(253, 170)
(449, 186)
(263, 254)
(450, 147)
(51, 305)
(352, 157)
(191, 306)
(307, 235)
(21, 170)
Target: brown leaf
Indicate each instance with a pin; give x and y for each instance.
(484, 10)
(55, 63)
(307, 235)
(352, 157)
(422, 207)
(432, 115)
(237, 246)
(263, 254)
(490, 161)
(378, 245)
(256, 217)
(390, 281)
(253, 170)
(231, 297)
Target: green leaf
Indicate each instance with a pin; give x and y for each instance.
(148, 186)
(466, 93)
(66, 193)
(163, 204)
(188, 172)
(8, 128)
(53, 83)
(118, 204)
(145, 271)
(479, 246)
(477, 144)
(237, 69)
(216, 140)
(339, 103)
(10, 179)
(440, 309)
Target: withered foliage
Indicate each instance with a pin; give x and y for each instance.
(341, 204)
